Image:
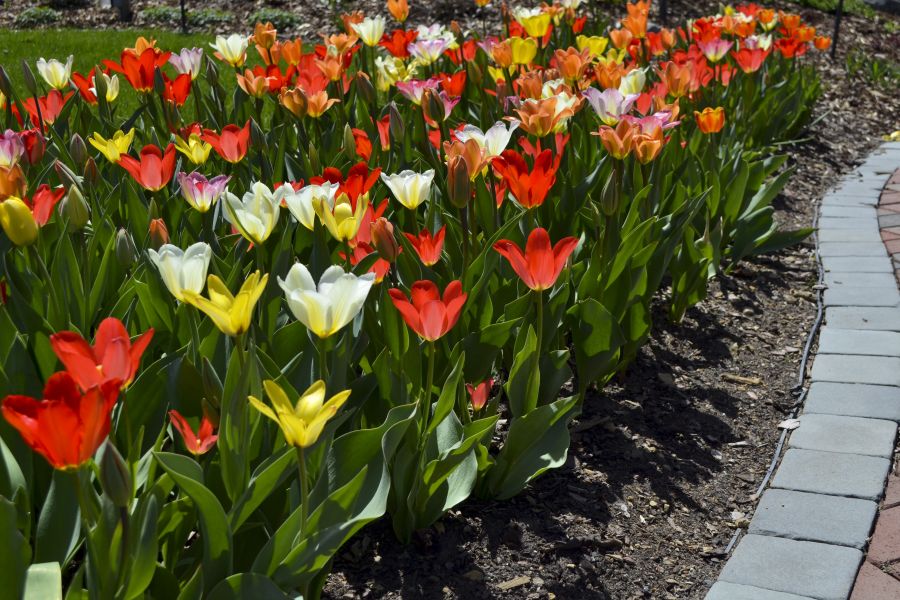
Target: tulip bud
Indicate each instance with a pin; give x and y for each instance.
(77, 149)
(396, 125)
(12, 182)
(75, 209)
(364, 88)
(456, 30)
(458, 183)
(609, 197)
(35, 145)
(212, 73)
(115, 477)
(384, 239)
(313, 156)
(126, 252)
(153, 209)
(28, 78)
(432, 106)
(99, 84)
(67, 175)
(212, 385)
(349, 141)
(5, 84)
(159, 233)
(91, 173)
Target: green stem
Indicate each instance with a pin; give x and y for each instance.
(429, 383)
(539, 300)
(304, 499)
(323, 358)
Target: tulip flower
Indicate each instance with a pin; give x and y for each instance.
(231, 49)
(750, 59)
(303, 421)
(55, 73)
(17, 221)
(522, 50)
(197, 443)
(201, 193)
(112, 86)
(425, 312)
(231, 314)
(341, 220)
(114, 147)
(139, 68)
(710, 120)
(327, 307)
(231, 144)
(317, 104)
(595, 44)
(384, 240)
(176, 90)
(479, 394)
(540, 264)
(715, 49)
(541, 117)
(194, 148)
(51, 106)
(410, 188)
(415, 89)
(427, 51)
(302, 202)
(633, 82)
(493, 141)
(535, 21)
(11, 148)
(43, 201)
(529, 186)
(182, 270)
(66, 427)
(369, 30)
(255, 86)
(610, 104)
(428, 247)
(399, 9)
(189, 61)
(618, 141)
(256, 214)
(155, 168)
(112, 357)
(159, 233)
(822, 42)
(397, 43)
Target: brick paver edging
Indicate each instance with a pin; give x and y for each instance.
(810, 532)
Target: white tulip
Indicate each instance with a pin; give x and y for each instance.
(325, 309)
(410, 188)
(633, 82)
(256, 214)
(302, 203)
(232, 49)
(493, 141)
(370, 30)
(182, 270)
(55, 73)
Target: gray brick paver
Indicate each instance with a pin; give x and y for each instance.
(851, 475)
(854, 400)
(845, 368)
(859, 341)
(851, 435)
(723, 590)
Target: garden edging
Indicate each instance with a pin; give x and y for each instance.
(808, 534)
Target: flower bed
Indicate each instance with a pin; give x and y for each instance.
(378, 279)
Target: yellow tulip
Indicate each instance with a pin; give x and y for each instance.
(523, 50)
(18, 221)
(231, 314)
(595, 43)
(301, 423)
(534, 21)
(342, 222)
(195, 149)
(114, 147)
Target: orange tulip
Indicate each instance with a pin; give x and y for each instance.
(294, 100)
(12, 182)
(318, 103)
(399, 9)
(539, 117)
(572, 64)
(292, 51)
(710, 120)
(618, 141)
(332, 66)
(264, 35)
(255, 86)
(648, 145)
(471, 151)
(822, 42)
(620, 37)
(677, 78)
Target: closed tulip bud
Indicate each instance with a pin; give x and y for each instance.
(91, 174)
(432, 106)
(364, 88)
(257, 137)
(126, 252)
(5, 84)
(384, 239)
(28, 79)
(476, 75)
(153, 209)
(396, 124)
(75, 209)
(159, 233)
(68, 177)
(609, 197)
(313, 156)
(349, 142)
(458, 181)
(99, 84)
(212, 73)
(115, 477)
(78, 149)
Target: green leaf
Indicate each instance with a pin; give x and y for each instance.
(272, 473)
(524, 379)
(43, 582)
(58, 525)
(447, 400)
(214, 529)
(143, 555)
(596, 338)
(14, 551)
(244, 586)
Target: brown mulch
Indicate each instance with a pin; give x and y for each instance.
(665, 461)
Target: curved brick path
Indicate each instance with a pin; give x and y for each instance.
(812, 530)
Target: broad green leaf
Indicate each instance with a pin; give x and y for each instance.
(43, 582)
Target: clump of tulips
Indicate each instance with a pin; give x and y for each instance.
(319, 276)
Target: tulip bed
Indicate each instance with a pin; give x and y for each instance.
(376, 279)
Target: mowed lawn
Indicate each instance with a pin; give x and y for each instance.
(89, 47)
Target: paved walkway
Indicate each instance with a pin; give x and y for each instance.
(811, 531)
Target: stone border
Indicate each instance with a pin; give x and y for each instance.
(809, 532)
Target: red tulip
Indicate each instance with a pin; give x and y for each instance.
(154, 170)
(397, 42)
(112, 356)
(140, 71)
(84, 85)
(177, 90)
(231, 144)
(51, 105)
(540, 265)
(426, 312)
(428, 247)
(43, 202)
(479, 394)
(749, 59)
(197, 443)
(35, 145)
(528, 186)
(65, 427)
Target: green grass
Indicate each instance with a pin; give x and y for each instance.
(89, 47)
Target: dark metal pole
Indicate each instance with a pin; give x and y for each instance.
(183, 18)
(664, 12)
(837, 28)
